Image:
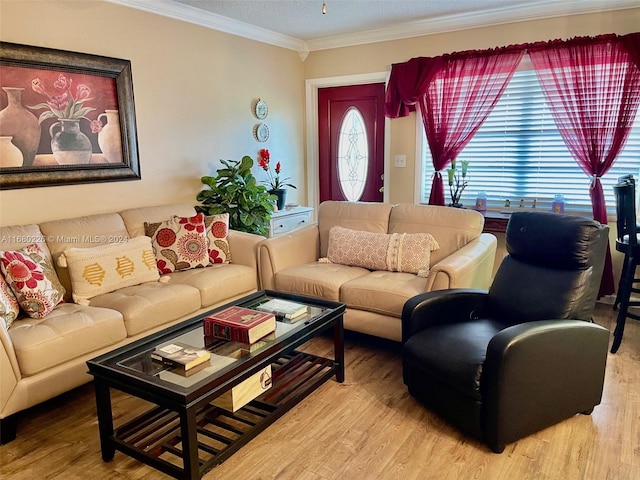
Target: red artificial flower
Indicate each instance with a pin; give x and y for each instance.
(274, 182)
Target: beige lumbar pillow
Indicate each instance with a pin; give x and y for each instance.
(106, 268)
(395, 252)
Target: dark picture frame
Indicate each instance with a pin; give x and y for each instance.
(52, 86)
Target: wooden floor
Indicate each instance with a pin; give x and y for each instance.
(366, 428)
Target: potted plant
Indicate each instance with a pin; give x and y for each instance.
(276, 183)
(234, 190)
(457, 183)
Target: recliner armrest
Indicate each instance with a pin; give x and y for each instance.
(538, 373)
(441, 307)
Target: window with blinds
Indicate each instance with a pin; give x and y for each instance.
(519, 155)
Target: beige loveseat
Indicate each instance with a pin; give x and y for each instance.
(42, 358)
(375, 298)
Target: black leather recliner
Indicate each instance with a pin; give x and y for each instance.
(503, 364)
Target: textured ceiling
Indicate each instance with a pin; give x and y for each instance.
(303, 19)
(300, 24)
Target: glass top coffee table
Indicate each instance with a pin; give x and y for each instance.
(186, 433)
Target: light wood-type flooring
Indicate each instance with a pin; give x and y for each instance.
(366, 428)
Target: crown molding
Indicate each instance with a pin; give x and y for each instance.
(214, 21)
(510, 14)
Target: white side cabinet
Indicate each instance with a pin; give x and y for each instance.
(289, 219)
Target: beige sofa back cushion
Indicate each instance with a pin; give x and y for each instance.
(368, 217)
(81, 232)
(15, 237)
(452, 228)
(134, 218)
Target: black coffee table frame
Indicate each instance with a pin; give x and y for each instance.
(184, 435)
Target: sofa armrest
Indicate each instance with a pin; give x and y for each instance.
(244, 248)
(9, 369)
(298, 247)
(469, 267)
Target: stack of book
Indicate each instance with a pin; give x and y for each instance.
(236, 350)
(182, 358)
(239, 324)
(284, 310)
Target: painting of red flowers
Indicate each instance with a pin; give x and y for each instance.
(68, 117)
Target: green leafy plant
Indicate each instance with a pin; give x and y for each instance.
(234, 190)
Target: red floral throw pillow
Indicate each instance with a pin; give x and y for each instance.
(179, 243)
(217, 230)
(9, 306)
(32, 279)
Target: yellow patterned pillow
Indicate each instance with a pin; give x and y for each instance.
(106, 268)
(395, 252)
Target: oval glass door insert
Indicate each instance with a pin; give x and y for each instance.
(353, 155)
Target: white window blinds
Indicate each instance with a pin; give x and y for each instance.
(518, 154)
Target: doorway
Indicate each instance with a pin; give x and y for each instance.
(312, 86)
(351, 142)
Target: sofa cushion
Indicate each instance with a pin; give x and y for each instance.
(179, 243)
(32, 279)
(453, 228)
(217, 227)
(396, 252)
(219, 282)
(9, 306)
(80, 232)
(68, 332)
(150, 304)
(365, 216)
(106, 268)
(381, 291)
(135, 218)
(317, 279)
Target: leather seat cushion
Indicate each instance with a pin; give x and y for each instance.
(382, 291)
(218, 282)
(68, 332)
(453, 353)
(317, 279)
(150, 304)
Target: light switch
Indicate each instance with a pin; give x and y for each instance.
(400, 161)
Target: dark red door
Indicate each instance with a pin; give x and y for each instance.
(351, 142)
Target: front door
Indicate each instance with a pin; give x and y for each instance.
(351, 142)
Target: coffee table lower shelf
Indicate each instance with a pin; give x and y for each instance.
(155, 437)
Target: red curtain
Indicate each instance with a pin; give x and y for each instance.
(592, 87)
(457, 101)
(407, 82)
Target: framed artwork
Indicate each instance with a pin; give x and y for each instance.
(65, 118)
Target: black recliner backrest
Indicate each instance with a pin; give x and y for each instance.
(553, 268)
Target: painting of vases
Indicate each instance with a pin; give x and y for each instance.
(67, 122)
(20, 124)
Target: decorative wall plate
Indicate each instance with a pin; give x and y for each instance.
(261, 132)
(261, 109)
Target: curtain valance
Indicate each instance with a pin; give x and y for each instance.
(409, 80)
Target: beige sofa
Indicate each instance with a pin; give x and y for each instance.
(42, 358)
(375, 298)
